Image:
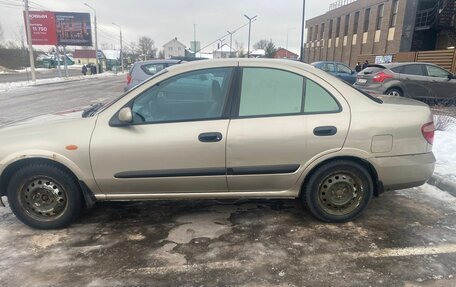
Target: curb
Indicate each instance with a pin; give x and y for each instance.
(443, 184)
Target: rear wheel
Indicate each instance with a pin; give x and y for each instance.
(395, 92)
(44, 196)
(338, 191)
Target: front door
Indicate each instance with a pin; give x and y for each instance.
(281, 122)
(442, 84)
(176, 142)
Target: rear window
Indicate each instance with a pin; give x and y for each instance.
(152, 69)
(371, 70)
(397, 69)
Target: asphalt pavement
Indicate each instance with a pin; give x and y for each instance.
(405, 238)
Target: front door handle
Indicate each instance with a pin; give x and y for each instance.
(210, 137)
(325, 131)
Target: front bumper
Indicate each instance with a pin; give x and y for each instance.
(400, 172)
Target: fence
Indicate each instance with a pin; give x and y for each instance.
(444, 58)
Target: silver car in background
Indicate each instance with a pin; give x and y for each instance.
(423, 81)
(141, 71)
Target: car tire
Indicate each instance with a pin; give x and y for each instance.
(338, 191)
(44, 196)
(395, 92)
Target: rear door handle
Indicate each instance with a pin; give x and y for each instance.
(210, 137)
(325, 131)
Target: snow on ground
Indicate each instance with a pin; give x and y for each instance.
(445, 151)
(18, 85)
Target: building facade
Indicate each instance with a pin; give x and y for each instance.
(378, 27)
(283, 53)
(174, 48)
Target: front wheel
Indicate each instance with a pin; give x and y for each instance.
(44, 196)
(338, 191)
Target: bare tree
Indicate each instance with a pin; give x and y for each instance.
(146, 47)
(262, 44)
(239, 46)
(1, 34)
(270, 50)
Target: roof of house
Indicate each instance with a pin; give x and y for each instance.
(174, 41)
(288, 51)
(225, 49)
(84, 54)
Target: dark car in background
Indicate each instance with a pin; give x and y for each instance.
(337, 69)
(423, 81)
(141, 71)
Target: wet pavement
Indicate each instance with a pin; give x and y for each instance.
(405, 238)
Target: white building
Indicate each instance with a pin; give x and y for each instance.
(174, 48)
(224, 52)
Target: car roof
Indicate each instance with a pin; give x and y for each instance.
(158, 61)
(399, 64)
(331, 62)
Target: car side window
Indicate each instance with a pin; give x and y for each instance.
(436, 72)
(190, 96)
(152, 69)
(343, 69)
(328, 67)
(416, 70)
(268, 92)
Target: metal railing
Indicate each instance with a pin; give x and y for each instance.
(340, 3)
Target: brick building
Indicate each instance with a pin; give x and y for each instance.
(283, 53)
(365, 27)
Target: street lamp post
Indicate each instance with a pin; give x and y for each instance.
(302, 29)
(121, 49)
(96, 39)
(231, 41)
(250, 28)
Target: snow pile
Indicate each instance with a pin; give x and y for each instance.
(445, 151)
(17, 85)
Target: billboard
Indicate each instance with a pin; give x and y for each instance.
(60, 28)
(42, 27)
(73, 29)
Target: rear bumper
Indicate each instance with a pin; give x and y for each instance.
(400, 172)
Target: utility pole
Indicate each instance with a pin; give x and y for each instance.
(250, 29)
(29, 40)
(96, 39)
(302, 29)
(231, 41)
(121, 47)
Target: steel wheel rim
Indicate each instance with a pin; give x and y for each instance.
(43, 199)
(340, 193)
(394, 94)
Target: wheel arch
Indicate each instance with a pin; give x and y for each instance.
(88, 197)
(398, 87)
(378, 186)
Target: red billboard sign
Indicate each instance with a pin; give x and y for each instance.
(42, 27)
(60, 28)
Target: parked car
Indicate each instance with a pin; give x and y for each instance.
(141, 71)
(413, 80)
(337, 69)
(233, 128)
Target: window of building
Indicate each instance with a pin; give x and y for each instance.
(355, 23)
(380, 16)
(347, 21)
(316, 33)
(322, 31)
(170, 48)
(338, 27)
(394, 9)
(366, 19)
(309, 36)
(330, 29)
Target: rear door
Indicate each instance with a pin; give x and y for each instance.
(442, 85)
(281, 120)
(415, 81)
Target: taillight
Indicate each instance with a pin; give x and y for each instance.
(428, 132)
(381, 77)
(128, 79)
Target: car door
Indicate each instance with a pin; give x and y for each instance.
(415, 81)
(345, 73)
(176, 142)
(442, 83)
(282, 120)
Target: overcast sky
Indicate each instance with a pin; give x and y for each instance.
(164, 20)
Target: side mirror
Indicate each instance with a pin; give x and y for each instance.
(451, 76)
(125, 115)
(352, 72)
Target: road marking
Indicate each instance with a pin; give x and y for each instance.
(379, 253)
